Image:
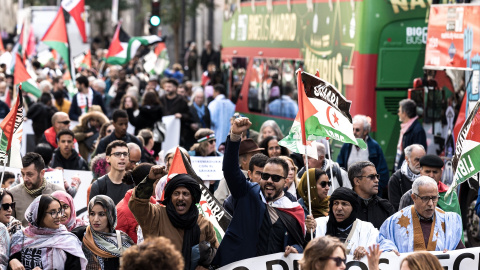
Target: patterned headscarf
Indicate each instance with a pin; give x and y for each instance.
(98, 246)
(53, 242)
(73, 222)
(319, 208)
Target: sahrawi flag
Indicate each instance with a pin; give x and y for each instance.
(56, 38)
(76, 9)
(208, 206)
(123, 47)
(326, 113)
(12, 128)
(467, 153)
(20, 75)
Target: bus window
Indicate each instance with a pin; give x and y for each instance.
(264, 85)
(239, 67)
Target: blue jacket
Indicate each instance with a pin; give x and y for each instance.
(415, 134)
(241, 237)
(375, 155)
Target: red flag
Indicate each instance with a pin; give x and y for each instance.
(76, 9)
(8, 123)
(306, 108)
(177, 167)
(30, 47)
(2, 48)
(115, 46)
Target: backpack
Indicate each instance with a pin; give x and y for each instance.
(102, 185)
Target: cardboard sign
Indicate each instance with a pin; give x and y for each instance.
(208, 168)
(55, 177)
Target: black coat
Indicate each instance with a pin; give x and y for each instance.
(376, 212)
(178, 105)
(397, 186)
(41, 116)
(415, 134)
(146, 117)
(74, 162)
(75, 111)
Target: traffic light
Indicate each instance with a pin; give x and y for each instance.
(155, 17)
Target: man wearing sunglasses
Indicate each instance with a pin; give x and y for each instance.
(422, 226)
(350, 154)
(365, 181)
(265, 221)
(111, 185)
(432, 166)
(60, 121)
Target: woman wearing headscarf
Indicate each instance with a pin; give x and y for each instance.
(342, 223)
(6, 212)
(69, 217)
(319, 186)
(177, 219)
(101, 243)
(4, 247)
(45, 243)
(126, 221)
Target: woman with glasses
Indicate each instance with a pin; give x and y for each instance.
(45, 243)
(328, 253)
(88, 131)
(6, 212)
(69, 217)
(319, 187)
(342, 223)
(101, 243)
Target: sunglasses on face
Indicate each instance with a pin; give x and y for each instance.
(323, 184)
(338, 261)
(6, 206)
(212, 141)
(120, 154)
(66, 122)
(275, 177)
(371, 177)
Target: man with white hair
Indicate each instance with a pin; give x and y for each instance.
(99, 86)
(402, 180)
(350, 154)
(45, 86)
(340, 176)
(422, 226)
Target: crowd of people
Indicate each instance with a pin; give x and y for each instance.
(141, 217)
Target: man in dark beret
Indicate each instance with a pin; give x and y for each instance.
(432, 166)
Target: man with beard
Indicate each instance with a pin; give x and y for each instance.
(120, 123)
(111, 184)
(402, 180)
(264, 220)
(34, 185)
(422, 226)
(177, 218)
(365, 181)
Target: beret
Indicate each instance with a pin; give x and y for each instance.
(431, 161)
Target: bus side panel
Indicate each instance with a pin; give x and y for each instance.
(387, 121)
(362, 92)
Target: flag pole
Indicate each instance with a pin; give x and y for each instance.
(308, 188)
(331, 164)
(3, 172)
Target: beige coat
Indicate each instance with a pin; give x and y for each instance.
(22, 199)
(154, 222)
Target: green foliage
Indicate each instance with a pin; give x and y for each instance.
(171, 10)
(106, 5)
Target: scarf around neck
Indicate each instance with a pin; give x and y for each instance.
(405, 170)
(344, 194)
(200, 112)
(38, 191)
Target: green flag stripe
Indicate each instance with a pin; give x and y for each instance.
(62, 49)
(467, 165)
(314, 129)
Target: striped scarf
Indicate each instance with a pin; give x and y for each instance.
(38, 191)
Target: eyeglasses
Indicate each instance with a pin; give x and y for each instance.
(323, 184)
(426, 199)
(371, 176)
(66, 122)
(275, 177)
(6, 206)
(120, 154)
(338, 260)
(212, 141)
(55, 214)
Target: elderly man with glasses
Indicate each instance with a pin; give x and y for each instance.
(111, 185)
(365, 181)
(422, 226)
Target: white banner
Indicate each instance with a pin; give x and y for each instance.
(208, 168)
(463, 259)
(172, 136)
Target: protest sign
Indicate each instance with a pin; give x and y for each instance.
(208, 168)
(55, 177)
(172, 137)
(463, 259)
